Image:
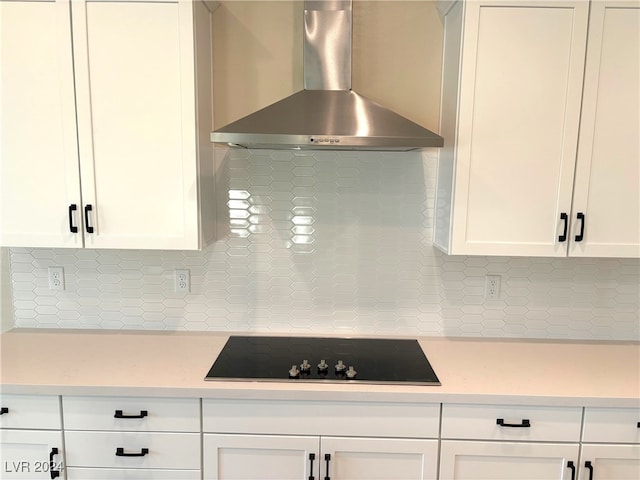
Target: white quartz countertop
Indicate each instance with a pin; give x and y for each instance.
(174, 364)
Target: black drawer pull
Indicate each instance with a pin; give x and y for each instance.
(88, 208)
(327, 458)
(72, 208)
(638, 424)
(573, 470)
(563, 237)
(120, 453)
(312, 457)
(4, 410)
(580, 236)
(118, 414)
(589, 467)
(525, 423)
(54, 473)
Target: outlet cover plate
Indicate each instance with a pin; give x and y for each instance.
(491, 287)
(182, 281)
(56, 278)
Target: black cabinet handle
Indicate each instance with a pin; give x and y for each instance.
(120, 453)
(4, 410)
(88, 208)
(573, 470)
(638, 423)
(312, 457)
(589, 467)
(327, 458)
(118, 414)
(563, 237)
(72, 208)
(525, 423)
(52, 470)
(580, 236)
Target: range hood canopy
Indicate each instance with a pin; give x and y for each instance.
(327, 114)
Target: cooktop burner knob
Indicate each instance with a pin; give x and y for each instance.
(322, 366)
(351, 373)
(305, 366)
(340, 367)
(294, 372)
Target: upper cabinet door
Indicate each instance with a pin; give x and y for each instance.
(607, 185)
(519, 108)
(39, 177)
(135, 88)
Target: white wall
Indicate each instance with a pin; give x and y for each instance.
(257, 56)
(329, 242)
(6, 305)
(397, 56)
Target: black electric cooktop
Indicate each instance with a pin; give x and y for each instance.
(362, 360)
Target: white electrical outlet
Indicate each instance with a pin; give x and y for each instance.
(56, 278)
(182, 281)
(492, 287)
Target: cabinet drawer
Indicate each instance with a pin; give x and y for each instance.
(163, 450)
(130, 474)
(408, 420)
(31, 411)
(138, 414)
(560, 424)
(611, 425)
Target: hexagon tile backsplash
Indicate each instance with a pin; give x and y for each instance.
(326, 243)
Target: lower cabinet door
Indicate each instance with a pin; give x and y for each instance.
(130, 474)
(610, 462)
(467, 460)
(260, 457)
(31, 454)
(280, 457)
(378, 459)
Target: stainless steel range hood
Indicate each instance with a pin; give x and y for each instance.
(327, 114)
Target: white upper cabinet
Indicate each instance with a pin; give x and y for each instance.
(607, 184)
(39, 175)
(511, 117)
(143, 170)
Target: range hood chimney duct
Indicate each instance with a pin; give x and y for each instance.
(327, 114)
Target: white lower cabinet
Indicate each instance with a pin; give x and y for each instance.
(610, 444)
(378, 458)
(610, 462)
(31, 454)
(132, 414)
(263, 457)
(235, 457)
(133, 449)
(466, 460)
(253, 439)
(130, 474)
(505, 442)
(518, 423)
(132, 438)
(154, 438)
(31, 445)
(611, 425)
(40, 412)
